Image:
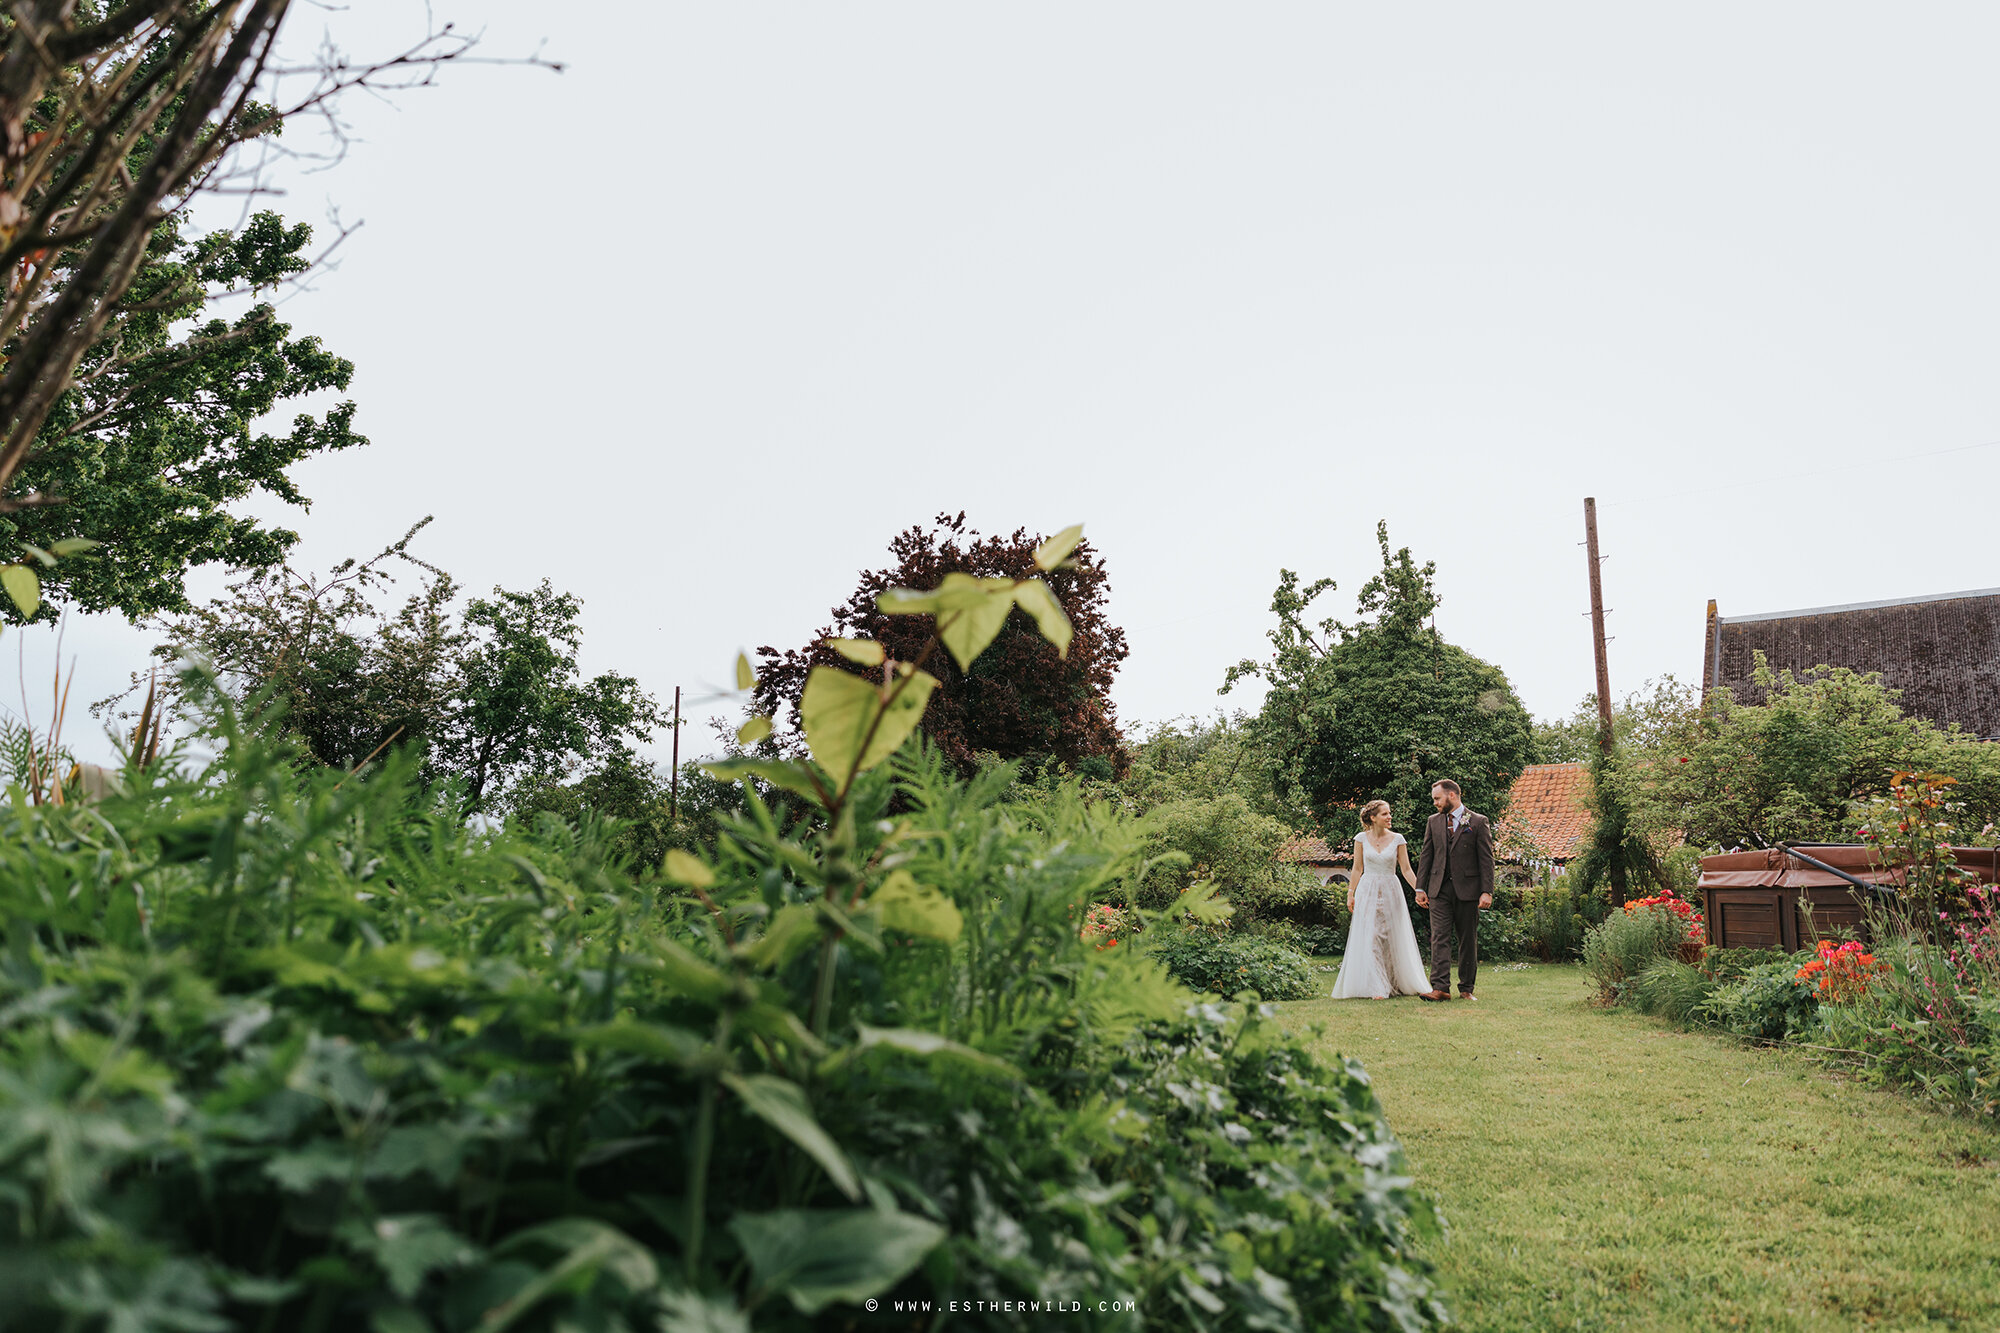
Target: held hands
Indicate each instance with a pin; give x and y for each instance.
(1423, 899)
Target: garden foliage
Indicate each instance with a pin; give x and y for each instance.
(1382, 708)
(1223, 962)
(1617, 951)
(1720, 773)
(492, 695)
(286, 1048)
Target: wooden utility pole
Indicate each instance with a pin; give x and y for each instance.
(674, 781)
(1597, 625)
(1604, 732)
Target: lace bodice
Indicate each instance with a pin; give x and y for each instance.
(1374, 860)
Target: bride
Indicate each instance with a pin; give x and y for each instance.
(1381, 958)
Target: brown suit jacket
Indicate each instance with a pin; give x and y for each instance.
(1470, 855)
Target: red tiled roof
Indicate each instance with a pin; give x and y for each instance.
(1546, 809)
(1311, 852)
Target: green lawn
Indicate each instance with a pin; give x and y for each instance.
(1602, 1170)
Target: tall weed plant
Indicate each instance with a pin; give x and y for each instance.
(1618, 950)
(290, 1049)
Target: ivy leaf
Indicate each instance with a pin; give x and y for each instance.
(864, 652)
(1035, 598)
(48, 561)
(819, 1256)
(917, 909)
(838, 709)
(780, 1104)
(22, 585)
(756, 729)
(1057, 548)
(746, 679)
(74, 546)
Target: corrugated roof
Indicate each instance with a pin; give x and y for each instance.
(1545, 808)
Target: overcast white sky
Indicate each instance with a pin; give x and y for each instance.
(694, 327)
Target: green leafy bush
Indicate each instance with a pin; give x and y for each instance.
(1767, 1002)
(1729, 964)
(1503, 934)
(1556, 914)
(287, 1049)
(1320, 941)
(1229, 964)
(1621, 947)
(1671, 989)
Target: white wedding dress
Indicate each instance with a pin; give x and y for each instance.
(1382, 957)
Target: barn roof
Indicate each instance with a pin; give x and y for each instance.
(1546, 811)
(1940, 651)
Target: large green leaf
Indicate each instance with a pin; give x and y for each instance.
(756, 729)
(917, 909)
(970, 612)
(1035, 598)
(780, 1104)
(692, 1312)
(864, 652)
(682, 868)
(586, 1250)
(817, 1256)
(22, 585)
(794, 927)
(911, 1041)
(690, 974)
(657, 1041)
(838, 709)
(1057, 548)
(745, 677)
(779, 773)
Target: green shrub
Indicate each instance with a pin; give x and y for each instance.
(1671, 989)
(1229, 964)
(1766, 1002)
(1320, 941)
(1729, 964)
(288, 1050)
(1555, 915)
(1503, 932)
(1621, 947)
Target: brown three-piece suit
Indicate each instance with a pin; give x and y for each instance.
(1454, 869)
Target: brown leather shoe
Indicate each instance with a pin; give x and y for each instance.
(1467, 995)
(1435, 995)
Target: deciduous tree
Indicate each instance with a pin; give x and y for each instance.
(1384, 707)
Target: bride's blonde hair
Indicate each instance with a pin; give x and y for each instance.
(1372, 809)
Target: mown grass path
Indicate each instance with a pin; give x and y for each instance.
(1603, 1170)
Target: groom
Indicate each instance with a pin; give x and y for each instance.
(1454, 880)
